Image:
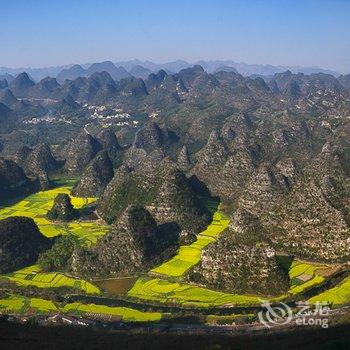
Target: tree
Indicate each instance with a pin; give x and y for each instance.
(58, 257)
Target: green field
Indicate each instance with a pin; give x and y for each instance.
(190, 255)
(127, 314)
(164, 284)
(31, 276)
(186, 295)
(338, 295)
(37, 205)
(19, 304)
(304, 275)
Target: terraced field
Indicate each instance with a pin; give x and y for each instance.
(127, 314)
(167, 287)
(164, 283)
(37, 205)
(19, 304)
(31, 276)
(338, 295)
(304, 275)
(186, 295)
(188, 256)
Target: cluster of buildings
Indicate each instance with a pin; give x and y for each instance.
(53, 319)
(89, 319)
(46, 119)
(106, 112)
(108, 115)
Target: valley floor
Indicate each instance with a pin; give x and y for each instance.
(164, 285)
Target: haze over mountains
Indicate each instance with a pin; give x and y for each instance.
(142, 69)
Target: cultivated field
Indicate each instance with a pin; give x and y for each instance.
(31, 276)
(188, 256)
(164, 284)
(19, 304)
(127, 314)
(168, 288)
(338, 295)
(304, 275)
(37, 205)
(186, 295)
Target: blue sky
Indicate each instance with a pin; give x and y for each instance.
(288, 32)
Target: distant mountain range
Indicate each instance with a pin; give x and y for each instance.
(105, 83)
(141, 69)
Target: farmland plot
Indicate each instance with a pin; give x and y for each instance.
(187, 295)
(188, 256)
(32, 276)
(37, 205)
(304, 275)
(24, 305)
(338, 295)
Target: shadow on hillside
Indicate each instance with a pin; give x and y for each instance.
(202, 191)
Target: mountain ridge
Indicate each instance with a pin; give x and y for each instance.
(172, 67)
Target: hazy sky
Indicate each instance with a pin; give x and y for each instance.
(288, 32)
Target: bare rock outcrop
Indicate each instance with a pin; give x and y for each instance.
(95, 177)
